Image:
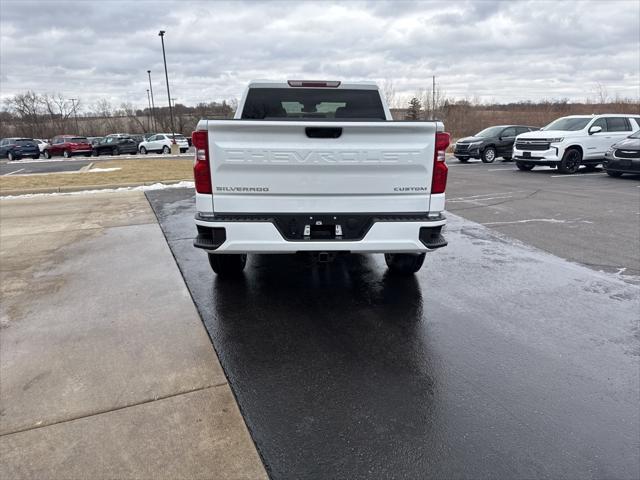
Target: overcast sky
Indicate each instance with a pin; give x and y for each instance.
(496, 50)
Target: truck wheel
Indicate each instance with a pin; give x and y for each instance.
(11, 157)
(404, 263)
(227, 265)
(570, 162)
(66, 154)
(489, 155)
(614, 174)
(525, 167)
(47, 154)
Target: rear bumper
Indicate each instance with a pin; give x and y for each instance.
(264, 237)
(25, 153)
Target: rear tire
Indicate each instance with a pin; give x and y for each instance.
(488, 155)
(404, 263)
(11, 156)
(570, 162)
(143, 150)
(47, 154)
(66, 154)
(227, 265)
(614, 174)
(166, 150)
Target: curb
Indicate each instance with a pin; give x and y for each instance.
(80, 188)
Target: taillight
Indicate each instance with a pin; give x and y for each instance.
(440, 169)
(201, 170)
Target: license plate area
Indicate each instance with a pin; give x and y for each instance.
(526, 154)
(322, 232)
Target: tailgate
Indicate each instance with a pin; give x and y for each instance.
(262, 166)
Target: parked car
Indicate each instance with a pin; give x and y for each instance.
(41, 144)
(115, 146)
(161, 143)
(490, 143)
(94, 140)
(17, 148)
(68, 146)
(623, 157)
(137, 138)
(569, 142)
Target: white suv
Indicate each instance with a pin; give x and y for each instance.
(161, 143)
(568, 142)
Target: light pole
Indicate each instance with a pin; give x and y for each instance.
(75, 114)
(166, 75)
(153, 105)
(149, 116)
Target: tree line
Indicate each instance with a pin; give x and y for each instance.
(36, 115)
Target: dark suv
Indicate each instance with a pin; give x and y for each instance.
(115, 146)
(17, 148)
(490, 143)
(623, 157)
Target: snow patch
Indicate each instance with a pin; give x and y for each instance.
(93, 170)
(141, 188)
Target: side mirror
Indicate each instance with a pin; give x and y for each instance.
(595, 129)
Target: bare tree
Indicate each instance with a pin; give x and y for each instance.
(602, 96)
(389, 92)
(28, 107)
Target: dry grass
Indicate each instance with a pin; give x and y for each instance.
(131, 171)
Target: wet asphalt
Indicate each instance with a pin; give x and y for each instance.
(497, 360)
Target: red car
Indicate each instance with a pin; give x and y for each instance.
(68, 146)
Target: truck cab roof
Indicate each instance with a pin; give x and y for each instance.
(363, 85)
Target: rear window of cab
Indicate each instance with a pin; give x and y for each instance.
(312, 104)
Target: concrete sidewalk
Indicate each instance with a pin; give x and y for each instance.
(105, 367)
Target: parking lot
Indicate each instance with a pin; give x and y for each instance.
(588, 218)
(42, 165)
(513, 354)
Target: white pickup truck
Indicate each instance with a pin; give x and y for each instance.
(319, 167)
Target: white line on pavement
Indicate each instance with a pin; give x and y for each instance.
(546, 220)
(483, 195)
(11, 173)
(576, 176)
